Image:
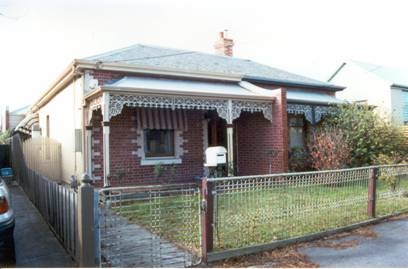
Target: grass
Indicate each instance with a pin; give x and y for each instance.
(258, 216)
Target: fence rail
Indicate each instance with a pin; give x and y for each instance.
(56, 203)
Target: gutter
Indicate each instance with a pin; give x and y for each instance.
(143, 69)
(79, 65)
(292, 83)
(113, 89)
(295, 101)
(399, 86)
(56, 87)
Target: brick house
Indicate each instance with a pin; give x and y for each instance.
(145, 115)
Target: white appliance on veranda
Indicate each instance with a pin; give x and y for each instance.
(216, 161)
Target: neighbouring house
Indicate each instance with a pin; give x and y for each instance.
(385, 88)
(145, 114)
(10, 119)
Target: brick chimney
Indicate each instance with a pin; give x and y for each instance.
(224, 45)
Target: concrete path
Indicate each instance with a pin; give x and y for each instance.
(389, 249)
(35, 244)
(126, 244)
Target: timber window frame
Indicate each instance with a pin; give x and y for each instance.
(159, 143)
(176, 158)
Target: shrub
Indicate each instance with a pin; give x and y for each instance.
(328, 149)
(299, 160)
(389, 179)
(367, 134)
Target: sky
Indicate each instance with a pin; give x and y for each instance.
(38, 39)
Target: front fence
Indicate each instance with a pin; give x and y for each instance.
(43, 155)
(150, 226)
(244, 213)
(392, 190)
(56, 203)
(179, 225)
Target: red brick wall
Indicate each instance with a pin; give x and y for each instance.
(125, 168)
(262, 146)
(104, 76)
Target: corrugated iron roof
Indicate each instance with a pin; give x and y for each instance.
(190, 87)
(301, 96)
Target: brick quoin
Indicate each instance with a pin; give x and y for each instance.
(97, 159)
(262, 146)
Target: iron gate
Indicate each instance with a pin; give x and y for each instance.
(150, 226)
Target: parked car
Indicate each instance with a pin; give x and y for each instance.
(7, 253)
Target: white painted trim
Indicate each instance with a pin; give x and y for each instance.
(88, 145)
(206, 171)
(163, 160)
(230, 145)
(106, 159)
(105, 106)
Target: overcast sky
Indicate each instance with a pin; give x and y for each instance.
(38, 39)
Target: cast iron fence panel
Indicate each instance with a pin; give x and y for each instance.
(150, 226)
(56, 203)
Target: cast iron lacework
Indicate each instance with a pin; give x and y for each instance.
(264, 107)
(94, 104)
(320, 111)
(117, 102)
(308, 111)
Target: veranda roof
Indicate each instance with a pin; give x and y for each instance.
(241, 90)
(305, 97)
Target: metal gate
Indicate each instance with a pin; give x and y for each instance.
(150, 226)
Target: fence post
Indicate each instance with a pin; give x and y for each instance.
(88, 256)
(372, 191)
(207, 218)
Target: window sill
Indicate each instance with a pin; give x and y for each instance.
(155, 161)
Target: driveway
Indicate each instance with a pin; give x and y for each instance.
(35, 244)
(389, 248)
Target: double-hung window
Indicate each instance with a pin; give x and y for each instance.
(296, 131)
(159, 135)
(159, 143)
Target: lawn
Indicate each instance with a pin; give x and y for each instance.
(253, 216)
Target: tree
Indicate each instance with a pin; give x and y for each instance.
(4, 136)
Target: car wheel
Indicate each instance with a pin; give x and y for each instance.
(12, 250)
(7, 252)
